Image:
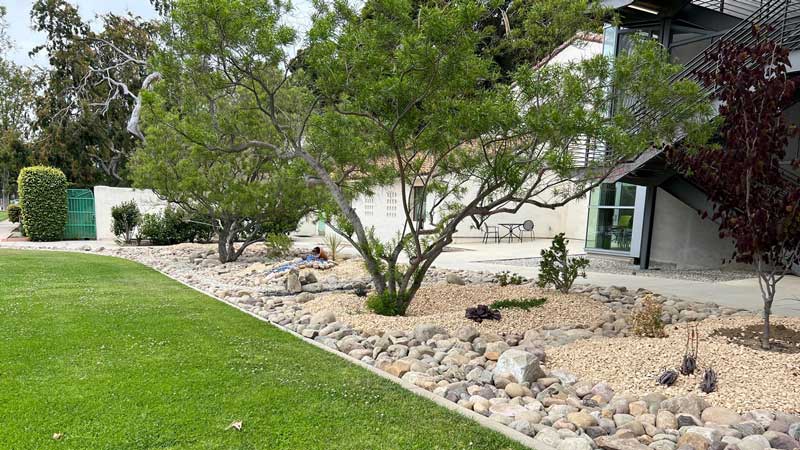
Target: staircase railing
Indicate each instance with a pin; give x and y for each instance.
(781, 16)
(737, 8)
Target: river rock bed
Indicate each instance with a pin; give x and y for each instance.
(566, 393)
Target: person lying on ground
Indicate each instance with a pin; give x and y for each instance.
(317, 254)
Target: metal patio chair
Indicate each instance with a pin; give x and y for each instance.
(527, 226)
(491, 231)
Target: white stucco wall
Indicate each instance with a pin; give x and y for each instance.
(683, 238)
(106, 197)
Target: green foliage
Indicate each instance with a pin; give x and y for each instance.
(387, 304)
(43, 199)
(93, 75)
(505, 278)
(556, 268)
(167, 228)
(334, 243)
(646, 320)
(124, 218)
(278, 245)
(527, 303)
(14, 212)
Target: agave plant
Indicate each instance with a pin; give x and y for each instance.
(668, 377)
(689, 363)
(709, 383)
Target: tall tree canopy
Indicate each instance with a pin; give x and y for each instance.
(402, 91)
(16, 96)
(208, 152)
(89, 91)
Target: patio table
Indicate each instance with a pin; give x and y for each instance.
(512, 228)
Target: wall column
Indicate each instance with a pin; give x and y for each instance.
(647, 227)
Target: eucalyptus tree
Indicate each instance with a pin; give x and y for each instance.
(400, 91)
(89, 90)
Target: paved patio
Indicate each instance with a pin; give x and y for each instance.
(743, 293)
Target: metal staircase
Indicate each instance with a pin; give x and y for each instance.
(783, 19)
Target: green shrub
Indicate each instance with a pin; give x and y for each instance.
(43, 199)
(125, 218)
(385, 304)
(646, 320)
(525, 303)
(167, 228)
(14, 213)
(278, 244)
(505, 278)
(556, 267)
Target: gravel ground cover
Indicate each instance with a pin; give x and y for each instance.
(445, 304)
(748, 379)
(624, 267)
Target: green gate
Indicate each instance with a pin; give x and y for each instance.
(80, 215)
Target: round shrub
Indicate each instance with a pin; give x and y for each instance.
(14, 212)
(124, 218)
(43, 199)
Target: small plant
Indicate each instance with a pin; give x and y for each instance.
(14, 213)
(481, 313)
(334, 243)
(125, 218)
(506, 278)
(385, 304)
(689, 363)
(556, 267)
(278, 245)
(361, 291)
(647, 319)
(709, 383)
(667, 377)
(526, 303)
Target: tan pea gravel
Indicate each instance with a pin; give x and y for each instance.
(747, 379)
(444, 304)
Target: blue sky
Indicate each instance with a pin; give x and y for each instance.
(18, 17)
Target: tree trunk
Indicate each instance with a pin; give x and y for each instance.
(765, 336)
(225, 246)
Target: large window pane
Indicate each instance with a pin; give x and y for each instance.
(610, 229)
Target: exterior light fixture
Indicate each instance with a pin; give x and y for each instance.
(643, 9)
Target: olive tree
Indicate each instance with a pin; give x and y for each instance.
(206, 152)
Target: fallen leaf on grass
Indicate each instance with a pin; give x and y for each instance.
(57, 436)
(236, 425)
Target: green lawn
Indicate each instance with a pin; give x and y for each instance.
(116, 356)
(3, 215)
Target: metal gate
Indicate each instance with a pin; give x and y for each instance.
(80, 215)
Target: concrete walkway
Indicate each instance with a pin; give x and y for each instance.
(739, 293)
(6, 228)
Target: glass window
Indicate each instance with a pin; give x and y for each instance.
(611, 210)
(419, 204)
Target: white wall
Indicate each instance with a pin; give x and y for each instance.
(106, 197)
(683, 238)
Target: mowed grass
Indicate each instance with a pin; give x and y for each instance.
(3, 215)
(116, 356)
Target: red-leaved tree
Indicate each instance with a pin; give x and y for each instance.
(748, 178)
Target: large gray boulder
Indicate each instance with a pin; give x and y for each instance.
(524, 366)
(293, 285)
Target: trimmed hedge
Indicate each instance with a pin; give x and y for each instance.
(14, 212)
(43, 199)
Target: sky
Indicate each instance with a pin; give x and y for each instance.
(18, 18)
